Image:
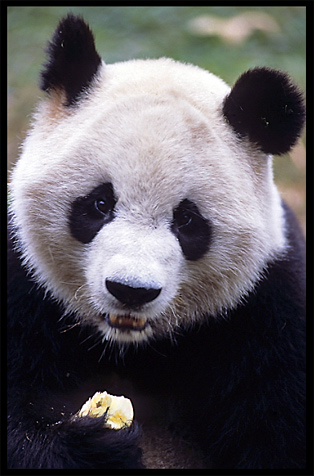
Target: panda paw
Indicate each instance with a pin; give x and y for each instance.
(86, 443)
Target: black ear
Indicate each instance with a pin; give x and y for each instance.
(72, 59)
(267, 108)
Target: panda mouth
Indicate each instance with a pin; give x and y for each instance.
(126, 322)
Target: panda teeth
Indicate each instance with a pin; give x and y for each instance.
(127, 322)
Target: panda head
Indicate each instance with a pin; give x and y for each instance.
(144, 199)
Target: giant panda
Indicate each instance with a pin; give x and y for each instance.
(151, 256)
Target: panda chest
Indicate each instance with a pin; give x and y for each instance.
(164, 448)
(162, 444)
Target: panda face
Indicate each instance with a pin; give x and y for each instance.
(139, 209)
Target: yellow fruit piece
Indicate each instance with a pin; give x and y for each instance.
(119, 409)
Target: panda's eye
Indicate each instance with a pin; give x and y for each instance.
(102, 206)
(91, 212)
(183, 218)
(192, 230)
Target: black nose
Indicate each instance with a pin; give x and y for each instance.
(129, 296)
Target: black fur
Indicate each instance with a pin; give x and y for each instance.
(91, 212)
(265, 106)
(238, 383)
(73, 59)
(192, 230)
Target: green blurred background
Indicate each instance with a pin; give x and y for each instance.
(275, 37)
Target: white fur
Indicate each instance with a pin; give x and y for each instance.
(154, 129)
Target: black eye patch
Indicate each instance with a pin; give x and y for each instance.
(91, 212)
(192, 230)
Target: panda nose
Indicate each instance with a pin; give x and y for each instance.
(130, 296)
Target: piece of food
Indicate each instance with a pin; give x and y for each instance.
(119, 409)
